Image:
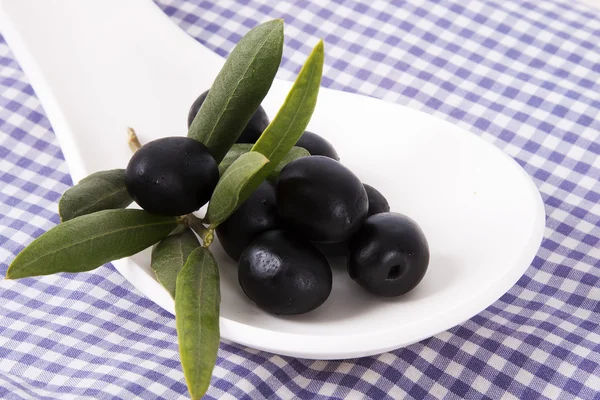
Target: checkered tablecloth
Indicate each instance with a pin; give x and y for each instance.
(524, 75)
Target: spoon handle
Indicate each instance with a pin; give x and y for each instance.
(92, 59)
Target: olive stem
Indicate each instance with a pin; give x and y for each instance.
(134, 142)
(206, 233)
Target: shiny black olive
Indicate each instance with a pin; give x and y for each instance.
(320, 199)
(317, 145)
(284, 274)
(389, 255)
(171, 176)
(255, 216)
(377, 203)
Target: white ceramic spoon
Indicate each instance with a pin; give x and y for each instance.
(99, 66)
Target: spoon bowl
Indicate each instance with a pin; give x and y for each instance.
(97, 73)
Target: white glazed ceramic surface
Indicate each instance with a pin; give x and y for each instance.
(99, 66)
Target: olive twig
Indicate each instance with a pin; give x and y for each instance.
(206, 233)
(134, 143)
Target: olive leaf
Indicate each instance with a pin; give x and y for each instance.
(169, 256)
(240, 148)
(89, 241)
(294, 153)
(197, 319)
(233, 154)
(235, 186)
(239, 88)
(292, 119)
(102, 190)
(276, 141)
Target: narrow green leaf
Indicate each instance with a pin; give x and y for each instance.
(89, 241)
(169, 256)
(102, 190)
(294, 153)
(179, 229)
(292, 119)
(239, 88)
(233, 154)
(197, 319)
(235, 186)
(276, 141)
(240, 148)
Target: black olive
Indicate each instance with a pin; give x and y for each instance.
(284, 274)
(172, 176)
(251, 132)
(320, 199)
(255, 216)
(317, 145)
(389, 255)
(377, 203)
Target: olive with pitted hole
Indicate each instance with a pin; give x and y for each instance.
(389, 255)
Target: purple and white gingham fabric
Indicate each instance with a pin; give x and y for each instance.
(524, 75)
